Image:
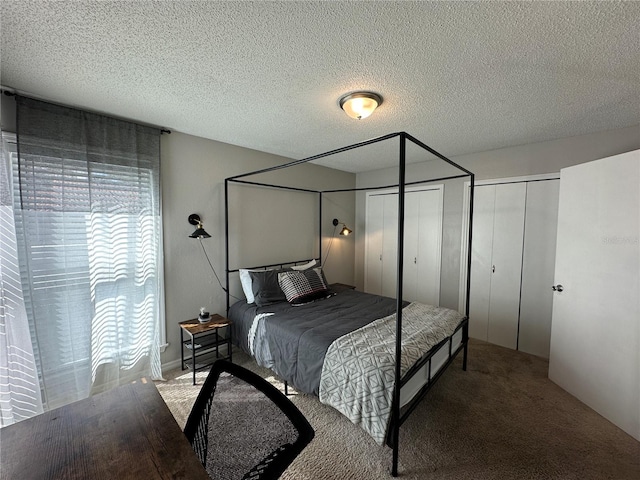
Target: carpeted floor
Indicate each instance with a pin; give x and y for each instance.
(501, 419)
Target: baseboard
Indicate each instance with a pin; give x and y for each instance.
(171, 365)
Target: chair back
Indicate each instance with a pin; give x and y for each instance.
(241, 426)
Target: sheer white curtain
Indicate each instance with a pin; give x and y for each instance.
(86, 201)
(20, 395)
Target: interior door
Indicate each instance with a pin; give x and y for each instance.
(422, 244)
(411, 241)
(538, 263)
(484, 205)
(496, 263)
(390, 245)
(595, 331)
(506, 268)
(428, 245)
(374, 232)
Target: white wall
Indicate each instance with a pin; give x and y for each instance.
(193, 170)
(537, 158)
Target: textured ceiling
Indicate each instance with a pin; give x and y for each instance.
(462, 77)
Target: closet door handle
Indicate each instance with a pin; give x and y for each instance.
(493, 269)
(415, 260)
(557, 288)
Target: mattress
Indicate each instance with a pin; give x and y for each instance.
(299, 336)
(342, 349)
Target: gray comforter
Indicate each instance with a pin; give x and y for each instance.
(294, 340)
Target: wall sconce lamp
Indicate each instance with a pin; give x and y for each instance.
(360, 105)
(344, 230)
(194, 219)
(200, 233)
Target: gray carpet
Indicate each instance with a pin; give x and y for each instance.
(501, 419)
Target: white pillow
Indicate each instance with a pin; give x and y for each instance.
(306, 266)
(245, 280)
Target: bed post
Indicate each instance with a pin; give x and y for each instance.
(226, 237)
(320, 229)
(395, 405)
(465, 329)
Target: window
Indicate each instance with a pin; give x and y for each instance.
(87, 217)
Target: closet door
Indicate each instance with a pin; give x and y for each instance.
(538, 264)
(481, 258)
(375, 233)
(422, 246)
(389, 245)
(382, 244)
(411, 240)
(496, 263)
(506, 264)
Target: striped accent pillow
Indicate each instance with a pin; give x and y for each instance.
(301, 286)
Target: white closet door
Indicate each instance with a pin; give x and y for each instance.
(390, 246)
(422, 244)
(481, 253)
(411, 241)
(375, 233)
(506, 265)
(538, 263)
(429, 245)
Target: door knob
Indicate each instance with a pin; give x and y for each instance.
(557, 288)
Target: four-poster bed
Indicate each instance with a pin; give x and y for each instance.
(372, 358)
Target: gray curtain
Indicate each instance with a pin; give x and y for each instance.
(20, 395)
(88, 224)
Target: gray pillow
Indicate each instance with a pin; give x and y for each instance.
(265, 287)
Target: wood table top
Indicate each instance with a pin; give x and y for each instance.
(125, 433)
(195, 326)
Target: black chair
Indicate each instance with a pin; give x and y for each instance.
(241, 426)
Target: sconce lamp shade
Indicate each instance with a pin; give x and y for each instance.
(194, 219)
(360, 105)
(344, 230)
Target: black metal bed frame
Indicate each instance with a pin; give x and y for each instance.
(398, 417)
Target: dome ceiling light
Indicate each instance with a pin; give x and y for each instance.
(360, 105)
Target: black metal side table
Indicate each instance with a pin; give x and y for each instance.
(203, 342)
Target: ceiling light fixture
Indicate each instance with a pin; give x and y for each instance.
(360, 105)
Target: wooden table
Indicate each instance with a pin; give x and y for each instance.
(124, 433)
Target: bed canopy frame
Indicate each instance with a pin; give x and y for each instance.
(397, 417)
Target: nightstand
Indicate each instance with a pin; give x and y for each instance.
(203, 342)
(340, 287)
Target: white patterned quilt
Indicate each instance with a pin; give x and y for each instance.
(359, 369)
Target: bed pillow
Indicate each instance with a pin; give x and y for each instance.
(305, 266)
(245, 280)
(302, 286)
(265, 287)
